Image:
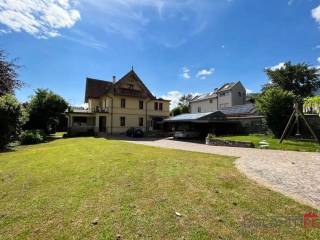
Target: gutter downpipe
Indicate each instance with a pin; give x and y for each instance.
(111, 132)
(217, 101)
(147, 114)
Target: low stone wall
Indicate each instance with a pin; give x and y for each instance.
(228, 143)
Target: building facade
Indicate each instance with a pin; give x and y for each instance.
(229, 95)
(115, 106)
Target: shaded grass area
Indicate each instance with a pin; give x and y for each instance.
(55, 190)
(291, 145)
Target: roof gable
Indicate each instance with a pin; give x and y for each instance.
(96, 88)
(131, 78)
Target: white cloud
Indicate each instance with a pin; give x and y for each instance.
(85, 39)
(276, 67)
(185, 73)
(316, 14)
(249, 91)
(40, 18)
(204, 73)
(318, 59)
(174, 97)
(132, 19)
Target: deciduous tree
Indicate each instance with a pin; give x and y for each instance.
(301, 79)
(8, 75)
(45, 110)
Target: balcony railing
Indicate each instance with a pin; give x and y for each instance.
(95, 110)
(101, 110)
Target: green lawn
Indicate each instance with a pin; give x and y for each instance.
(291, 145)
(55, 190)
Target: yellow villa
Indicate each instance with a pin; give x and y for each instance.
(115, 106)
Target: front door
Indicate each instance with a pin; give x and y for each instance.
(102, 124)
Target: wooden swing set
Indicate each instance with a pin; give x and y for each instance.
(294, 118)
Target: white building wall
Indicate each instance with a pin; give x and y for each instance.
(207, 105)
(224, 100)
(235, 96)
(238, 94)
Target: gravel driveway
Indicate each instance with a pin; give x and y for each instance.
(294, 174)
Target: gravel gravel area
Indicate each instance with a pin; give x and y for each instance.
(294, 174)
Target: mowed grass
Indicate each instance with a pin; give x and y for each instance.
(56, 190)
(290, 145)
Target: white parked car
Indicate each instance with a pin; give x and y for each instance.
(186, 134)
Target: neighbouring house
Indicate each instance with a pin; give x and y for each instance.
(229, 95)
(115, 106)
(226, 110)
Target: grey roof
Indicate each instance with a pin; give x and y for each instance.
(224, 87)
(204, 96)
(244, 109)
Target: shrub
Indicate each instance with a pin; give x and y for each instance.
(10, 113)
(276, 105)
(32, 137)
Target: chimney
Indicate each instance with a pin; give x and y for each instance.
(114, 79)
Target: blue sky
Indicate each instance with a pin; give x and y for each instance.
(175, 46)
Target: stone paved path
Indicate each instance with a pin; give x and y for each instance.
(294, 174)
